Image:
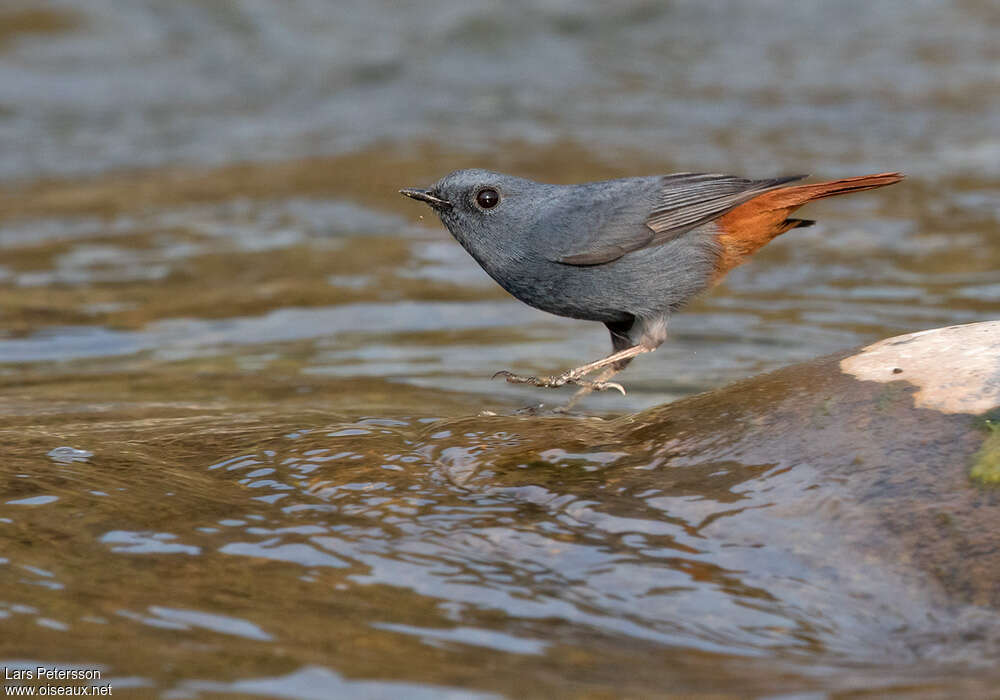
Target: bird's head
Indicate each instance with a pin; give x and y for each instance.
(480, 206)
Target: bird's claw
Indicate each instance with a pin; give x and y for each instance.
(561, 380)
(604, 386)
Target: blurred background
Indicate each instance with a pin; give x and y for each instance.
(202, 249)
(195, 179)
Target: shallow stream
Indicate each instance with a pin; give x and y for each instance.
(241, 378)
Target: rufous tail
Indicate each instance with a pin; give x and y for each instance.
(747, 228)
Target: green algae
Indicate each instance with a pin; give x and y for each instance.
(986, 462)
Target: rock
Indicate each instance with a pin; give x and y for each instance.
(886, 450)
(955, 369)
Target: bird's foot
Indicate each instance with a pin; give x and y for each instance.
(603, 386)
(549, 382)
(563, 379)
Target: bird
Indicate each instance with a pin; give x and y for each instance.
(627, 253)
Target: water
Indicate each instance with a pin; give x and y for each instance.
(274, 364)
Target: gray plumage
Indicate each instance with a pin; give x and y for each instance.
(622, 252)
(625, 252)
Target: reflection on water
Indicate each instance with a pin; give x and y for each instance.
(238, 371)
(421, 549)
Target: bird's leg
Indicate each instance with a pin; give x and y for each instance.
(612, 359)
(573, 376)
(582, 392)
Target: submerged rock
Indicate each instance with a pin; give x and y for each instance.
(825, 508)
(823, 512)
(888, 450)
(848, 492)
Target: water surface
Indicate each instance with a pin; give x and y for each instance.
(242, 378)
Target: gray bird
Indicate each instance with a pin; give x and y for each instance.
(626, 253)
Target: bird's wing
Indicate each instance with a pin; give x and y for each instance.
(685, 201)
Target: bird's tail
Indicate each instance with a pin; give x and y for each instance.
(750, 226)
(797, 195)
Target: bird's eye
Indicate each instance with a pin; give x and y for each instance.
(487, 198)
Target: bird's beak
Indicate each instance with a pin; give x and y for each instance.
(426, 196)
